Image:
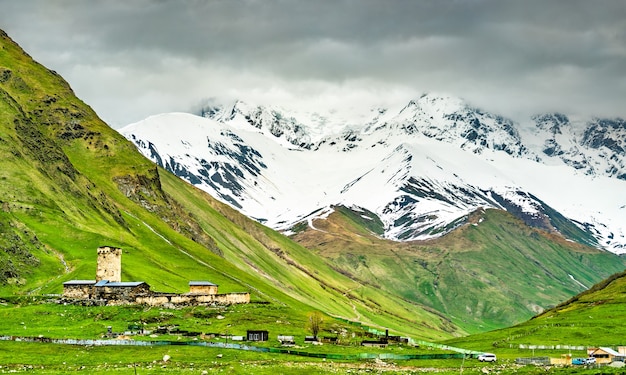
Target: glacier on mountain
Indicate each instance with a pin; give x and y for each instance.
(420, 168)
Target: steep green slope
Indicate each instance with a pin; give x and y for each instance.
(69, 183)
(490, 273)
(256, 249)
(591, 318)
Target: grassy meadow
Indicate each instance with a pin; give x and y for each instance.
(33, 317)
(37, 317)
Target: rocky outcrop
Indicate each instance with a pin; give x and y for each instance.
(147, 192)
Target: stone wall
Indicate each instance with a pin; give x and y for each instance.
(203, 289)
(77, 291)
(141, 294)
(123, 293)
(153, 300)
(158, 299)
(224, 299)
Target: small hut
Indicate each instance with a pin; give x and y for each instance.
(257, 335)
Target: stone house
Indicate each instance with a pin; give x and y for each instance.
(109, 289)
(125, 291)
(80, 289)
(202, 287)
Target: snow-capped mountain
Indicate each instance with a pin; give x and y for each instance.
(421, 168)
(595, 147)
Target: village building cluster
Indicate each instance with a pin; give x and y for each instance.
(595, 356)
(109, 289)
(607, 355)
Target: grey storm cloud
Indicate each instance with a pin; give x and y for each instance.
(130, 59)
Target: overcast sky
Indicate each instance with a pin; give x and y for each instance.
(131, 59)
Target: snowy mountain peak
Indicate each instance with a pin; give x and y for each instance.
(593, 147)
(551, 122)
(421, 168)
(452, 120)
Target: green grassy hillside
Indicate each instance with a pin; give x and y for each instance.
(590, 319)
(492, 272)
(69, 184)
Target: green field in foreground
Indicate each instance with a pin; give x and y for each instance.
(26, 317)
(32, 318)
(61, 359)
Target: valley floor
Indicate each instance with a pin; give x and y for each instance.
(40, 358)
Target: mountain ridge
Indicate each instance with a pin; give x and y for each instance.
(401, 211)
(491, 269)
(435, 115)
(425, 189)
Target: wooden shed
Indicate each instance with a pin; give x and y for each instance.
(257, 335)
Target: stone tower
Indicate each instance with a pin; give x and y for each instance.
(109, 264)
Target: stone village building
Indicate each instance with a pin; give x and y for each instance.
(109, 289)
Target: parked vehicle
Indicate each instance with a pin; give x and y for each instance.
(579, 361)
(591, 360)
(487, 357)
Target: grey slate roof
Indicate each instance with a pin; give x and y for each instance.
(106, 283)
(201, 283)
(80, 282)
(123, 284)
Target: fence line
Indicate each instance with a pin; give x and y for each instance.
(550, 347)
(413, 341)
(90, 342)
(533, 361)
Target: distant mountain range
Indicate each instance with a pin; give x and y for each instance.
(420, 169)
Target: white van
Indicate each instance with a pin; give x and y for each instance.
(487, 357)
